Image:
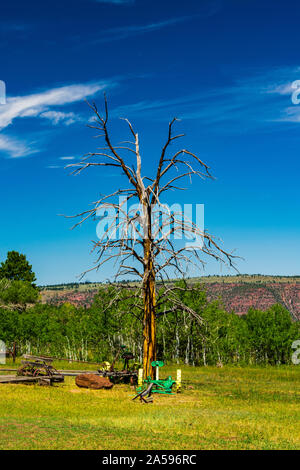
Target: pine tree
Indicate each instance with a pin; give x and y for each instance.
(17, 268)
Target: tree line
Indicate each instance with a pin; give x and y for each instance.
(95, 333)
(212, 336)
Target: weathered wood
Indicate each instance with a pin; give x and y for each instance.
(43, 358)
(51, 359)
(44, 381)
(13, 379)
(71, 373)
(74, 373)
(39, 368)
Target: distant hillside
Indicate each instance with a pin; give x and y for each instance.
(240, 297)
(238, 293)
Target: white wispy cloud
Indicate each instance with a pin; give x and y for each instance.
(57, 116)
(206, 9)
(40, 105)
(283, 89)
(290, 114)
(254, 101)
(67, 158)
(124, 32)
(36, 104)
(14, 147)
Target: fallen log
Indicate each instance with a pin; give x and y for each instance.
(14, 379)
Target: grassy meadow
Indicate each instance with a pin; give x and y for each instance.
(219, 408)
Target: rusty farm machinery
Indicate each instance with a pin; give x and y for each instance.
(40, 369)
(34, 369)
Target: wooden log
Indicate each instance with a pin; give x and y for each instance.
(44, 381)
(13, 379)
(74, 373)
(51, 359)
(35, 358)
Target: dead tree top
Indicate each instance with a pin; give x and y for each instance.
(127, 250)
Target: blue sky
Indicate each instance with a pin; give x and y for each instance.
(226, 68)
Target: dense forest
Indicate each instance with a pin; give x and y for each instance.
(95, 333)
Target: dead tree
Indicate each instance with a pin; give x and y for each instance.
(141, 238)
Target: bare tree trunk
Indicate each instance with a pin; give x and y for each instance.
(14, 352)
(187, 351)
(204, 355)
(163, 337)
(152, 253)
(149, 332)
(177, 350)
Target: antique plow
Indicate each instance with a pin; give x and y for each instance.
(40, 367)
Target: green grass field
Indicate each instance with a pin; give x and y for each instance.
(228, 408)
